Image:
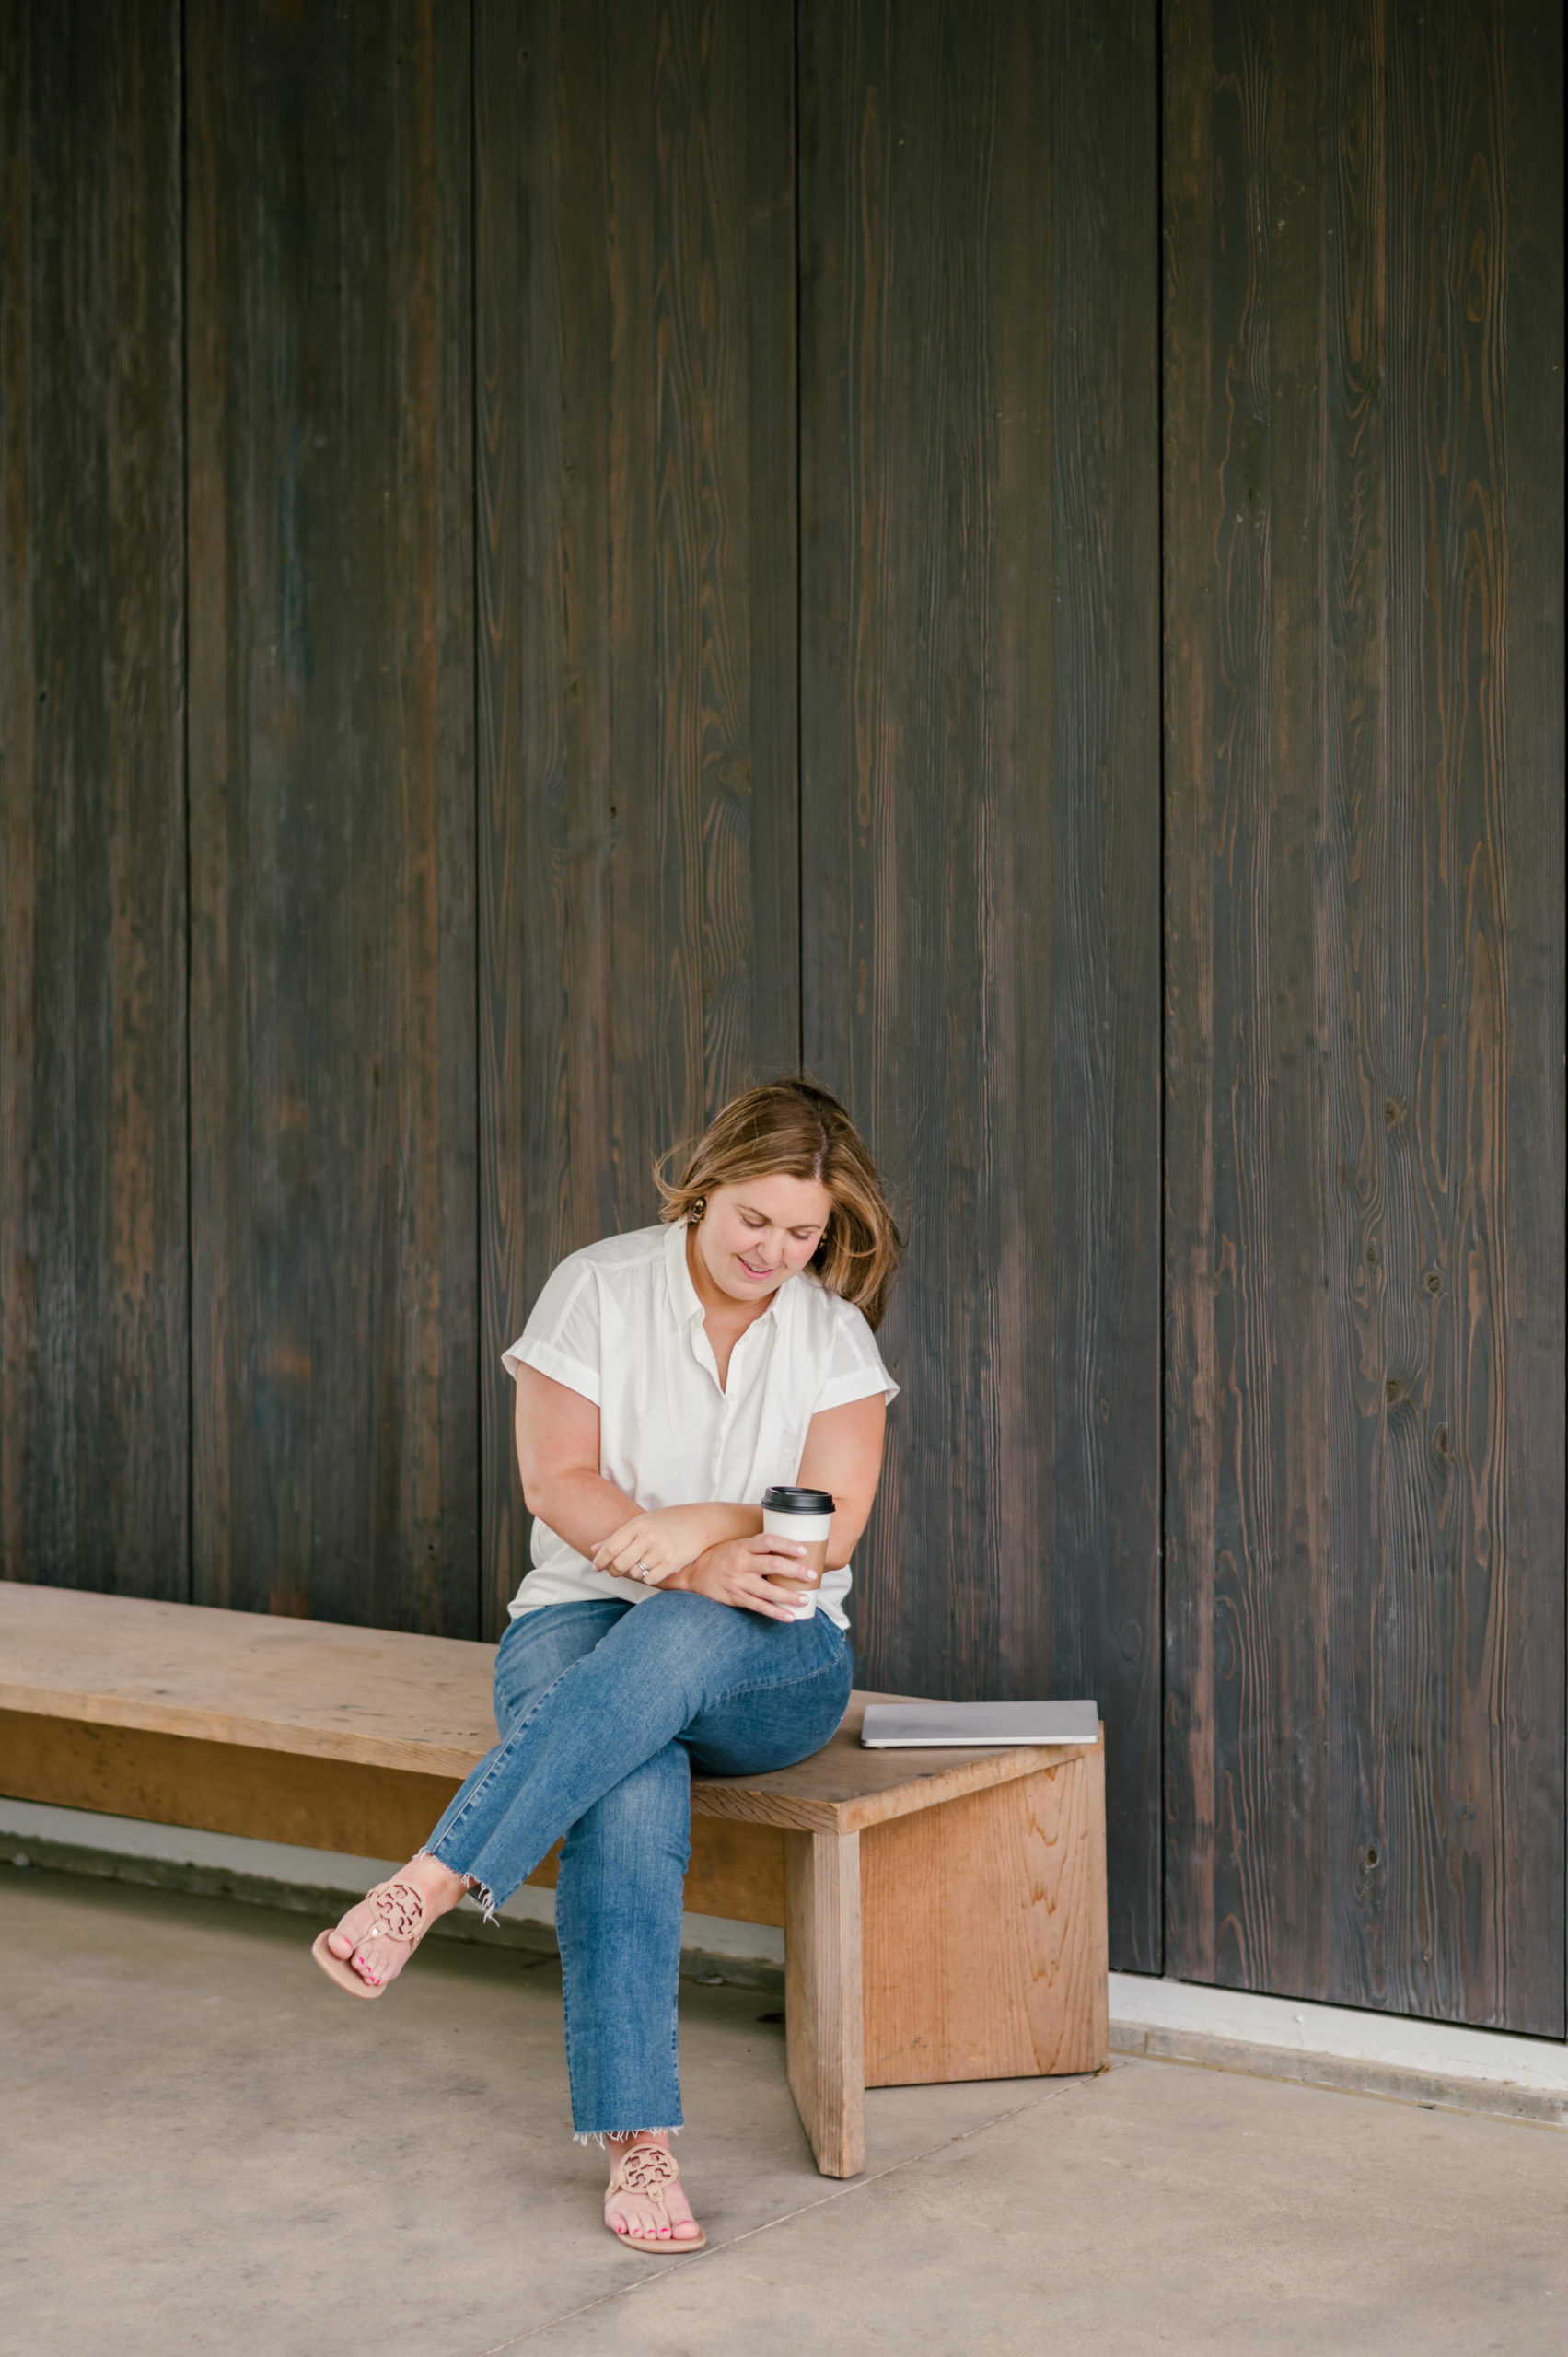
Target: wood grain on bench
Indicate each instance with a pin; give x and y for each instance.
(381, 1699)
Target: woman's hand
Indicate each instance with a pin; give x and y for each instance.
(735, 1573)
(651, 1546)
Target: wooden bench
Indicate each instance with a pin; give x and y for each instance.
(944, 1912)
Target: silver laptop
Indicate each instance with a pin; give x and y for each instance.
(921, 1727)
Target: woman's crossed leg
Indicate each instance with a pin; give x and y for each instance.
(648, 1686)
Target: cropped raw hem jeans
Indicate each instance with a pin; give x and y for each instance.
(603, 1710)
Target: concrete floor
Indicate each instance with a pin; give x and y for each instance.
(206, 2149)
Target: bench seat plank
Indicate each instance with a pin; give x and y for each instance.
(843, 1789)
(376, 1696)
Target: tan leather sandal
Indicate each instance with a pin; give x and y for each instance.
(647, 2169)
(400, 1915)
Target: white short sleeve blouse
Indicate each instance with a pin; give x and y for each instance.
(622, 1323)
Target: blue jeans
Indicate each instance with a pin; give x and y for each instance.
(603, 1710)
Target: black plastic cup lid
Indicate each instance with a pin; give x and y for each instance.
(786, 1501)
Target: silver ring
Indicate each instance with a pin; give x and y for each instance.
(641, 1572)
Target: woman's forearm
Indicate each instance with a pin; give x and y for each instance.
(843, 1456)
(729, 1521)
(584, 1509)
(580, 1507)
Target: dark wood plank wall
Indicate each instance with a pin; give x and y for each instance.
(483, 458)
(980, 828)
(94, 1305)
(335, 1256)
(637, 849)
(1364, 923)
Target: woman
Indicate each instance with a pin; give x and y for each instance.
(665, 1380)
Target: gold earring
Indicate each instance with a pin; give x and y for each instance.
(698, 1209)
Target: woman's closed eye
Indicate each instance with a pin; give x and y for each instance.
(801, 1235)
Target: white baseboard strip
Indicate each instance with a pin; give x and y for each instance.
(1433, 2091)
(1341, 2046)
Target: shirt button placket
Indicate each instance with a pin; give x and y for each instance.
(725, 1422)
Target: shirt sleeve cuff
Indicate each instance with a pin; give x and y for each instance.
(863, 1383)
(549, 1361)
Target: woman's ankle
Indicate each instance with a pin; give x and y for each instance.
(441, 1885)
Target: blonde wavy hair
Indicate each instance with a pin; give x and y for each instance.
(794, 1127)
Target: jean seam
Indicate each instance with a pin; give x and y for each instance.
(763, 1686)
(670, 2126)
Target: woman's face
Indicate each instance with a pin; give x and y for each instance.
(759, 1232)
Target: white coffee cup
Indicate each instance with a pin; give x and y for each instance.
(806, 1514)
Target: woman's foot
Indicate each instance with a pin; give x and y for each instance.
(385, 1957)
(638, 2217)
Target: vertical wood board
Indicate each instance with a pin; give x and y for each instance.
(332, 813)
(980, 830)
(94, 1439)
(637, 620)
(1365, 881)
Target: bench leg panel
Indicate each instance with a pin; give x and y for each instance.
(986, 1933)
(823, 2035)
